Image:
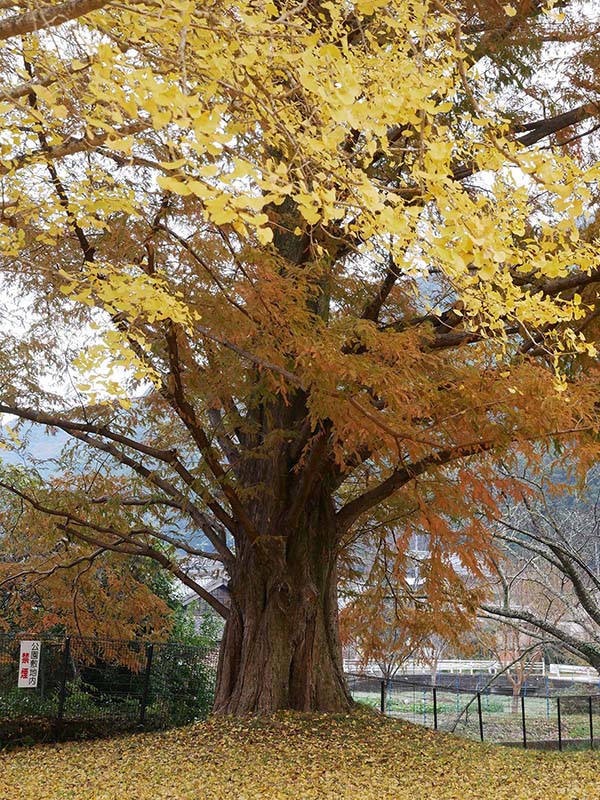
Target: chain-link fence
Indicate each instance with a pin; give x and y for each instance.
(87, 687)
(542, 717)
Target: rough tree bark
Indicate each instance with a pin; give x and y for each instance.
(281, 645)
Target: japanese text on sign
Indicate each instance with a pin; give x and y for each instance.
(29, 664)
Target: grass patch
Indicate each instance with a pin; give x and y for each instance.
(355, 757)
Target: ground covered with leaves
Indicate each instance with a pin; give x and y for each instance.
(358, 757)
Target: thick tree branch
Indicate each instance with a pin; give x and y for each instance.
(540, 129)
(24, 89)
(350, 512)
(47, 16)
(225, 442)
(590, 650)
(526, 545)
(558, 550)
(84, 242)
(373, 308)
(71, 147)
(139, 549)
(67, 425)
(458, 338)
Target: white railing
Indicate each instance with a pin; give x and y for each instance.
(572, 672)
(562, 672)
(457, 666)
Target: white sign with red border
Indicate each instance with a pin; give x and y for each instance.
(29, 664)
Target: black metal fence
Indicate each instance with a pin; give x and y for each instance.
(547, 719)
(88, 687)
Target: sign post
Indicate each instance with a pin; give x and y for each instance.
(29, 664)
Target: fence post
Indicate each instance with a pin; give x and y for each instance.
(479, 715)
(559, 725)
(63, 681)
(523, 721)
(146, 689)
(591, 724)
(435, 720)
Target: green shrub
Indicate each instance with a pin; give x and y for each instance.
(15, 702)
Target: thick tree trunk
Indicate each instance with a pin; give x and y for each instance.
(281, 646)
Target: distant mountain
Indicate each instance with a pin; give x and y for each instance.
(40, 448)
(38, 443)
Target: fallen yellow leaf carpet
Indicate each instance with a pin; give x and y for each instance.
(355, 757)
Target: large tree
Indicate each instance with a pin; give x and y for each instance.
(338, 253)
